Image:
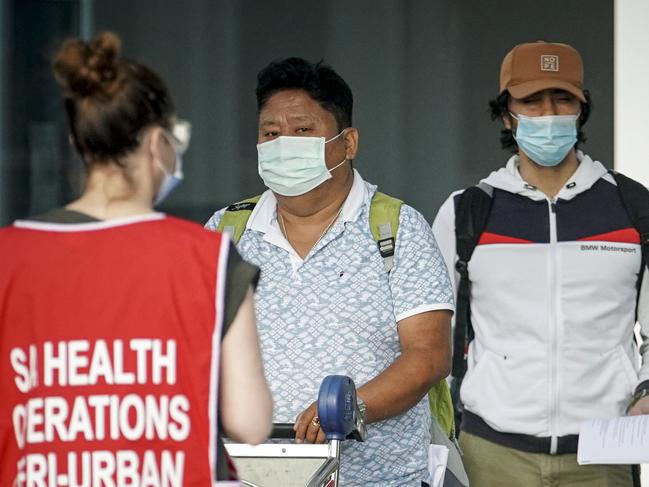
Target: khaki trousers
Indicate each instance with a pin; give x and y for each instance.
(491, 465)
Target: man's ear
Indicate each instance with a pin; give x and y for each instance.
(351, 143)
(73, 144)
(507, 121)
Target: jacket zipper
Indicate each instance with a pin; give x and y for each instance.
(554, 341)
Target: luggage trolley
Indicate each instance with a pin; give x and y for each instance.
(304, 465)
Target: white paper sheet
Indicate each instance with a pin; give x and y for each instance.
(437, 459)
(622, 440)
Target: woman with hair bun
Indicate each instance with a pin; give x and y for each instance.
(128, 341)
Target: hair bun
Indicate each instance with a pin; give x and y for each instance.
(89, 69)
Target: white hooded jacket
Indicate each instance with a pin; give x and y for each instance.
(553, 302)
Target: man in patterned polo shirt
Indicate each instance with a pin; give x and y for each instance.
(325, 302)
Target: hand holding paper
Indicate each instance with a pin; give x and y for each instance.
(622, 440)
(641, 407)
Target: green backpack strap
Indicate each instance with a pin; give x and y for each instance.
(236, 216)
(384, 223)
(441, 407)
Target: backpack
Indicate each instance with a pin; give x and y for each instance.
(472, 211)
(384, 223)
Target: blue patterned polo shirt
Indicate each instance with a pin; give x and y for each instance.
(336, 312)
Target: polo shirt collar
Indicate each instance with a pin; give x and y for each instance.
(264, 216)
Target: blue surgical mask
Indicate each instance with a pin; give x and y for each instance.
(546, 140)
(170, 181)
(179, 139)
(292, 166)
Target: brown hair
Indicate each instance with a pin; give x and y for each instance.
(108, 99)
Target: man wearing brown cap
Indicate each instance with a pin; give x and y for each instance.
(554, 276)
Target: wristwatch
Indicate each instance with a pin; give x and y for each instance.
(362, 408)
(636, 397)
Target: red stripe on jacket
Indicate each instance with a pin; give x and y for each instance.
(488, 238)
(626, 235)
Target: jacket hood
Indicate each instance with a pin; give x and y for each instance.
(509, 179)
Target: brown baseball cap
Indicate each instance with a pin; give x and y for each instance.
(536, 66)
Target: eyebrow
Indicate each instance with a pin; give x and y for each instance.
(300, 118)
(293, 118)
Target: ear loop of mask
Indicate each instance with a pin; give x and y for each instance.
(335, 136)
(345, 159)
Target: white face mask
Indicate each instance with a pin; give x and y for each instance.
(292, 166)
(180, 141)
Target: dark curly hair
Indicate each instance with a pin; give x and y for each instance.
(320, 81)
(498, 107)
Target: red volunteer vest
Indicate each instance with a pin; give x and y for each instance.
(109, 352)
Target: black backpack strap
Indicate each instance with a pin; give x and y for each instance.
(635, 199)
(472, 209)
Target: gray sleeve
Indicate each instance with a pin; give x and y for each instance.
(240, 275)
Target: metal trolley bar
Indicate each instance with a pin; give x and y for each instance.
(329, 451)
(305, 465)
